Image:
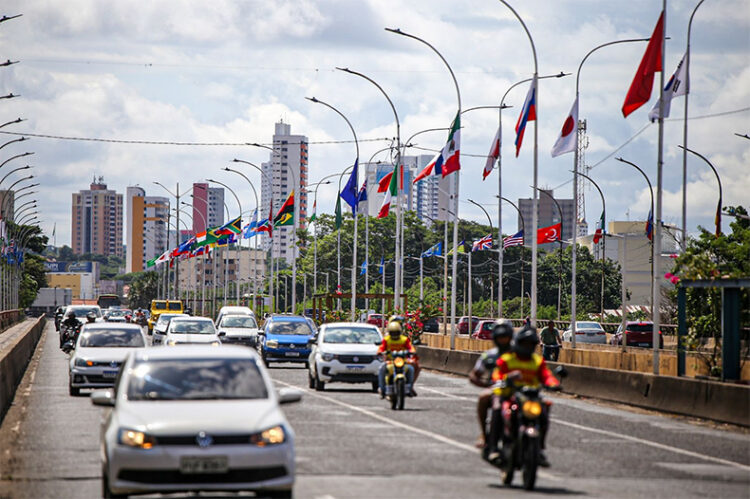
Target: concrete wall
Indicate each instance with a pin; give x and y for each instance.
(14, 359)
(725, 402)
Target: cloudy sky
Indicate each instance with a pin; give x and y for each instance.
(225, 71)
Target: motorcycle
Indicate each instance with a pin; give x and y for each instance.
(140, 319)
(68, 337)
(522, 429)
(395, 378)
(551, 352)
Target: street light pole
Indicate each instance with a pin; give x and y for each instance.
(257, 208)
(604, 237)
(718, 179)
(238, 249)
(560, 240)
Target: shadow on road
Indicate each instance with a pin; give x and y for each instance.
(560, 491)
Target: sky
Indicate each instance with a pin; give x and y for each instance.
(223, 72)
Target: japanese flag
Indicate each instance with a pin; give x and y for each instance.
(568, 139)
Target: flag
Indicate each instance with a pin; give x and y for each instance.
(493, 155)
(349, 194)
(717, 219)
(528, 113)
(434, 167)
(548, 234)
(568, 139)
(364, 268)
(461, 248)
(436, 250)
(314, 216)
(599, 229)
(640, 89)
(265, 225)
(389, 195)
(384, 182)
(514, 240)
(362, 196)
(452, 148)
(382, 265)
(151, 263)
(676, 86)
(250, 229)
(186, 246)
(285, 215)
(482, 244)
(232, 227)
(163, 258)
(204, 238)
(650, 225)
(338, 213)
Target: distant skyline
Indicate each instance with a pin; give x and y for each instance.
(226, 71)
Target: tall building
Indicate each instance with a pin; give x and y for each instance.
(97, 221)
(547, 214)
(146, 228)
(208, 207)
(289, 153)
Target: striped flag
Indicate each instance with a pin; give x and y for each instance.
(482, 244)
(514, 240)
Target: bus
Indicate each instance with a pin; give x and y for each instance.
(107, 301)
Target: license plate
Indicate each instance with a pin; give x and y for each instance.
(644, 344)
(292, 354)
(355, 368)
(109, 374)
(590, 334)
(200, 465)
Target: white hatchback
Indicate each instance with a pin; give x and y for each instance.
(587, 332)
(345, 352)
(196, 418)
(193, 330)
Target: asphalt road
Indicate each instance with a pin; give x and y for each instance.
(350, 444)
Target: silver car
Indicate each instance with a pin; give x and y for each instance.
(184, 330)
(196, 418)
(160, 328)
(100, 349)
(587, 332)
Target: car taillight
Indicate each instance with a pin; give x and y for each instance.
(601, 333)
(579, 332)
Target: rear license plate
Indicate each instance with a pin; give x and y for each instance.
(355, 368)
(590, 334)
(292, 354)
(644, 344)
(201, 465)
(109, 374)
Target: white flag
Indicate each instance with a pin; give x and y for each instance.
(676, 86)
(493, 155)
(568, 139)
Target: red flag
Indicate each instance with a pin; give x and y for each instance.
(640, 89)
(548, 234)
(384, 182)
(717, 219)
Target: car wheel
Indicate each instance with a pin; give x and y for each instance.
(319, 385)
(310, 380)
(74, 392)
(106, 493)
(375, 387)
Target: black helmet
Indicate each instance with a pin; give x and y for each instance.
(503, 329)
(525, 341)
(71, 314)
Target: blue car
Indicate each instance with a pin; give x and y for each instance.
(285, 338)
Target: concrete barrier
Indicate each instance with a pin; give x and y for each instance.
(724, 402)
(14, 359)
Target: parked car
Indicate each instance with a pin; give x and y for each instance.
(463, 324)
(431, 325)
(233, 310)
(345, 352)
(483, 330)
(375, 320)
(100, 350)
(160, 328)
(202, 419)
(637, 334)
(238, 330)
(191, 330)
(285, 339)
(586, 332)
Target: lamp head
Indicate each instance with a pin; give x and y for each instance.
(312, 99)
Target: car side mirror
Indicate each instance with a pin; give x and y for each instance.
(222, 333)
(289, 395)
(261, 333)
(103, 397)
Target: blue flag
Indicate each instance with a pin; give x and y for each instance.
(436, 250)
(349, 194)
(382, 263)
(364, 268)
(249, 229)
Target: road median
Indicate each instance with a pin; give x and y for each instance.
(16, 348)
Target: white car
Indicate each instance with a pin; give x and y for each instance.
(196, 418)
(587, 332)
(195, 330)
(233, 310)
(100, 350)
(238, 330)
(345, 352)
(160, 327)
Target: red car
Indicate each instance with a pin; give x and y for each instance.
(483, 330)
(463, 324)
(637, 334)
(376, 320)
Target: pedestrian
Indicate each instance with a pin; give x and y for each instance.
(551, 342)
(527, 321)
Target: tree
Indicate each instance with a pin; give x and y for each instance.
(143, 288)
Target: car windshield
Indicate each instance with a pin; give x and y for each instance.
(243, 321)
(290, 327)
(83, 311)
(192, 327)
(111, 338)
(165, 318)
(351, 335)
(640, 328)
(159, 305)
(196, 379)
(588, 325)
(175, 306)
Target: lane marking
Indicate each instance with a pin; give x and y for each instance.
(444, 394)
(676, 450)
(403, 426)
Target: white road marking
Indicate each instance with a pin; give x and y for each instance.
(404, 426)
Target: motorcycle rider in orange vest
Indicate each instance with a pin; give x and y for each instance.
(392, 342)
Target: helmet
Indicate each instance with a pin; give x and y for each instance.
(91, 316)
(503, 329)
(70, 314)
(397, 318)
(394, 329)
(525, 342)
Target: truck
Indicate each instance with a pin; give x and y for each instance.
(161, 306)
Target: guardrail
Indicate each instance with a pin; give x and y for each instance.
(8, 318)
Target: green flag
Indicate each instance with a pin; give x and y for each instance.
(151, 263)
(338, 212)
(314, 216)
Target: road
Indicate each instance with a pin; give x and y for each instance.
(350, 444)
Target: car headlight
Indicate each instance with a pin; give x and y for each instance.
(272, 436)
(83, 363)
(327, 356)
(215, 343)
(134, 438)
(171, 342)
(531, 409)
(272, 344)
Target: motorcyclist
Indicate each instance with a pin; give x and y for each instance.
(392, 342)
(415, 360)
(71, 322)
(527, 368)
(90, 317)
(481, 374)
(551, 342)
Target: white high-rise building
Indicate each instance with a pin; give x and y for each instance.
(146, 229)
(289, 153)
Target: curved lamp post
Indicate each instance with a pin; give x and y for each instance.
(604, 237)
(239, 245)
(718, 179)
(559, 274)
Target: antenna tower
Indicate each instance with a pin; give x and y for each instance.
(583, 142)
